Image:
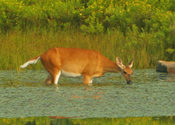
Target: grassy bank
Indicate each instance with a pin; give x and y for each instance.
(165, 120)
(17, 47)
(142, 29)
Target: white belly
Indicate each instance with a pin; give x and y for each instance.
(69, 74)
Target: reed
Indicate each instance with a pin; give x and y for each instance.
(143, 30)
(17, 47)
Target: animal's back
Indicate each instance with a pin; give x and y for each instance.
(73, 60)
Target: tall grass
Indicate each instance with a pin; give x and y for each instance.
(142, 29)
(17, 47)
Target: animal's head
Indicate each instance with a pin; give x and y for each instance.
(126, 71)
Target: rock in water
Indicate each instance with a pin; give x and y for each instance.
(166, 66)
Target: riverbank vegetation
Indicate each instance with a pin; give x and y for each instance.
(139, 29)
(164, 120)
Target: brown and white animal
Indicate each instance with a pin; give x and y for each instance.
(73, 62)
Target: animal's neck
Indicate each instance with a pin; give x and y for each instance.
(110, 66)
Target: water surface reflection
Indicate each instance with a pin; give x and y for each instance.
(23, 94)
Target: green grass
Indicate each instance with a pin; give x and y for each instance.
(17, 47)
(139, 29)
(168, 120)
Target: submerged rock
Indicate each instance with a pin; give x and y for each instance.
(166, 66)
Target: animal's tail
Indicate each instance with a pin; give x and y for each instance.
(31, 61)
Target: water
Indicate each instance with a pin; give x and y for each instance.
(23, 94)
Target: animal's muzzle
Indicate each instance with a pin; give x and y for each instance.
(129, 82)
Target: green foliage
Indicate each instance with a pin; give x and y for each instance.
(165, 120)
(94, 26)
(147, 26)
(25, 121)
(90, 16)
(31, 14)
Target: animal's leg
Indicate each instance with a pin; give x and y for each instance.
(87, 80)
(55, 77)
(48, 80)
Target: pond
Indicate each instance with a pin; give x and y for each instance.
(23, 95)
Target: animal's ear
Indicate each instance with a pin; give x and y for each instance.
(131, 63)
(119, 62)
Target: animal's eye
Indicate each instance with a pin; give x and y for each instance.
(124, 72)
